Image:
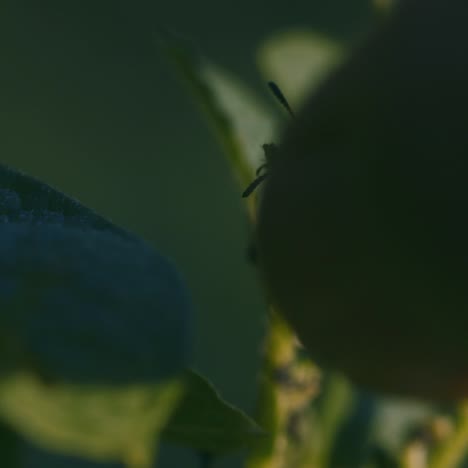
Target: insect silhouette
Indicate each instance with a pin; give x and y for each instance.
(270, 150)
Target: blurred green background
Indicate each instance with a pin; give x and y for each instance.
(91, 106)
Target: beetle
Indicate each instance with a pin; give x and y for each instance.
(270, 150)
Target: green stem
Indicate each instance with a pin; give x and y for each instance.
(453, 451)
(287, 385)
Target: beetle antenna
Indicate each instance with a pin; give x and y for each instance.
(274, 88)
(253, 185)
(269, 149)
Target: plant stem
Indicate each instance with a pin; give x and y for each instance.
(287, 385)
(452, 452)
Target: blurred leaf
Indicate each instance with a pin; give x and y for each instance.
(252, 123)
(9, 447)
(204, 421)
(238, 118)
(24, 199)
(299, 61)
(384, 6)
(94, 327)
(82, 300)
(352, 446)
(102, 423)
(453, 452)
(394, 418)
(334, 406)
(380, 458)
(84, 306)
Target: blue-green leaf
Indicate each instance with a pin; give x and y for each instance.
(94, 327)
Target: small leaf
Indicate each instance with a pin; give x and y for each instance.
(207, 423)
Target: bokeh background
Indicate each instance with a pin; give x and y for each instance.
(90, 105)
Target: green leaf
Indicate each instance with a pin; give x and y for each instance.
(85, 306)
(102, 423)
(333, 409)
(82, 300)
(94, 327)
(240, 120)
(299, 61)
(204, 421)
